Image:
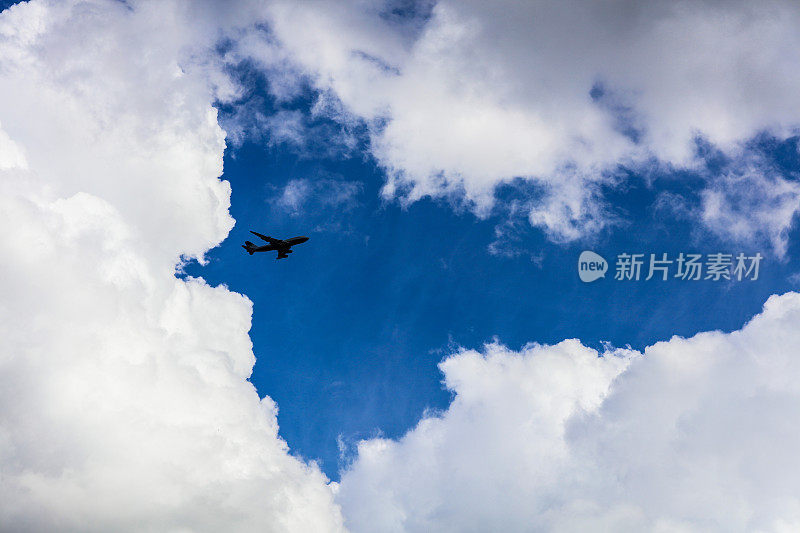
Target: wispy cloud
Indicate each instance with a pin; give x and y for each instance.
(300, 195)
(752, 204)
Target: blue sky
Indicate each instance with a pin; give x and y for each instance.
(348, 332)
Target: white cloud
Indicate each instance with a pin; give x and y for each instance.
(752, 204)
(694, 434)
(124, 404)
(320, 193)
(487, 91)
(291, 130)
(747, 200)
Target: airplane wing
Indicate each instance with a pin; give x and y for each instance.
(282, 255)
(264, 237)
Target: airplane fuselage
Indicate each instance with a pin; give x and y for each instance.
(282, 246)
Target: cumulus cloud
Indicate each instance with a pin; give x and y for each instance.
(124, 401)
(462, 96)
(695, 434)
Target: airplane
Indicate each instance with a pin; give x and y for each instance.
(283, 247)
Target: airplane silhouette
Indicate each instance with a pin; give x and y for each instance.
(283, 247)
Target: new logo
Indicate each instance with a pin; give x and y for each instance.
(591, 266)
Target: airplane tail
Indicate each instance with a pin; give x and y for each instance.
(249, 246)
